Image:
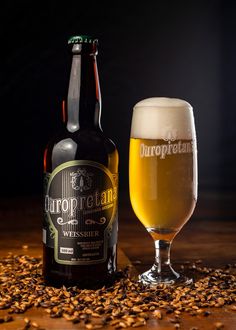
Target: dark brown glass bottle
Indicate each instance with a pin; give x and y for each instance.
(80, 184)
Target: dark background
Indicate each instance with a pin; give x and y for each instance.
(184, 49)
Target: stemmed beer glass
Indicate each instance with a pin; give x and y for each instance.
(163, 177)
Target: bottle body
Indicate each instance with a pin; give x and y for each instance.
(81, 190)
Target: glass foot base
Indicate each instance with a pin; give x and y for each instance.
(152, 279)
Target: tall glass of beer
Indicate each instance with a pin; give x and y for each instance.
(163, 177)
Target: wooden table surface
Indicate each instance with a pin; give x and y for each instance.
(210, 236)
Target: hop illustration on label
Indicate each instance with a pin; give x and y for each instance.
(81, 180)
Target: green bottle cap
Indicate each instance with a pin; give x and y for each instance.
(82, 39)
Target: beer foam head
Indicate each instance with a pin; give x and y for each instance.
(163, 118)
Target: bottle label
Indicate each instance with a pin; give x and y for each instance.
(80, 210)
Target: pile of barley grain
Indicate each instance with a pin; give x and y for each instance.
(127, 303)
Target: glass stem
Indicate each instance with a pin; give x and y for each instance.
(162, 256)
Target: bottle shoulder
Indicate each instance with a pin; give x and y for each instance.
(81, 145)
(91, 139)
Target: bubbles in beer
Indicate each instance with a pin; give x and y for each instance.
(163, 118)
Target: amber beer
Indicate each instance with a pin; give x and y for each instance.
(80, 192)
(163, 183)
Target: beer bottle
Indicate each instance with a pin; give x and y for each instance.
(80, 184)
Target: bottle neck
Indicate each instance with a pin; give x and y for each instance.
(84, 99)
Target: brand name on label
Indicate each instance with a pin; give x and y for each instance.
(163, 150)
(71, 205)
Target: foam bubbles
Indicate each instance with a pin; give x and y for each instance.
(163, 118)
